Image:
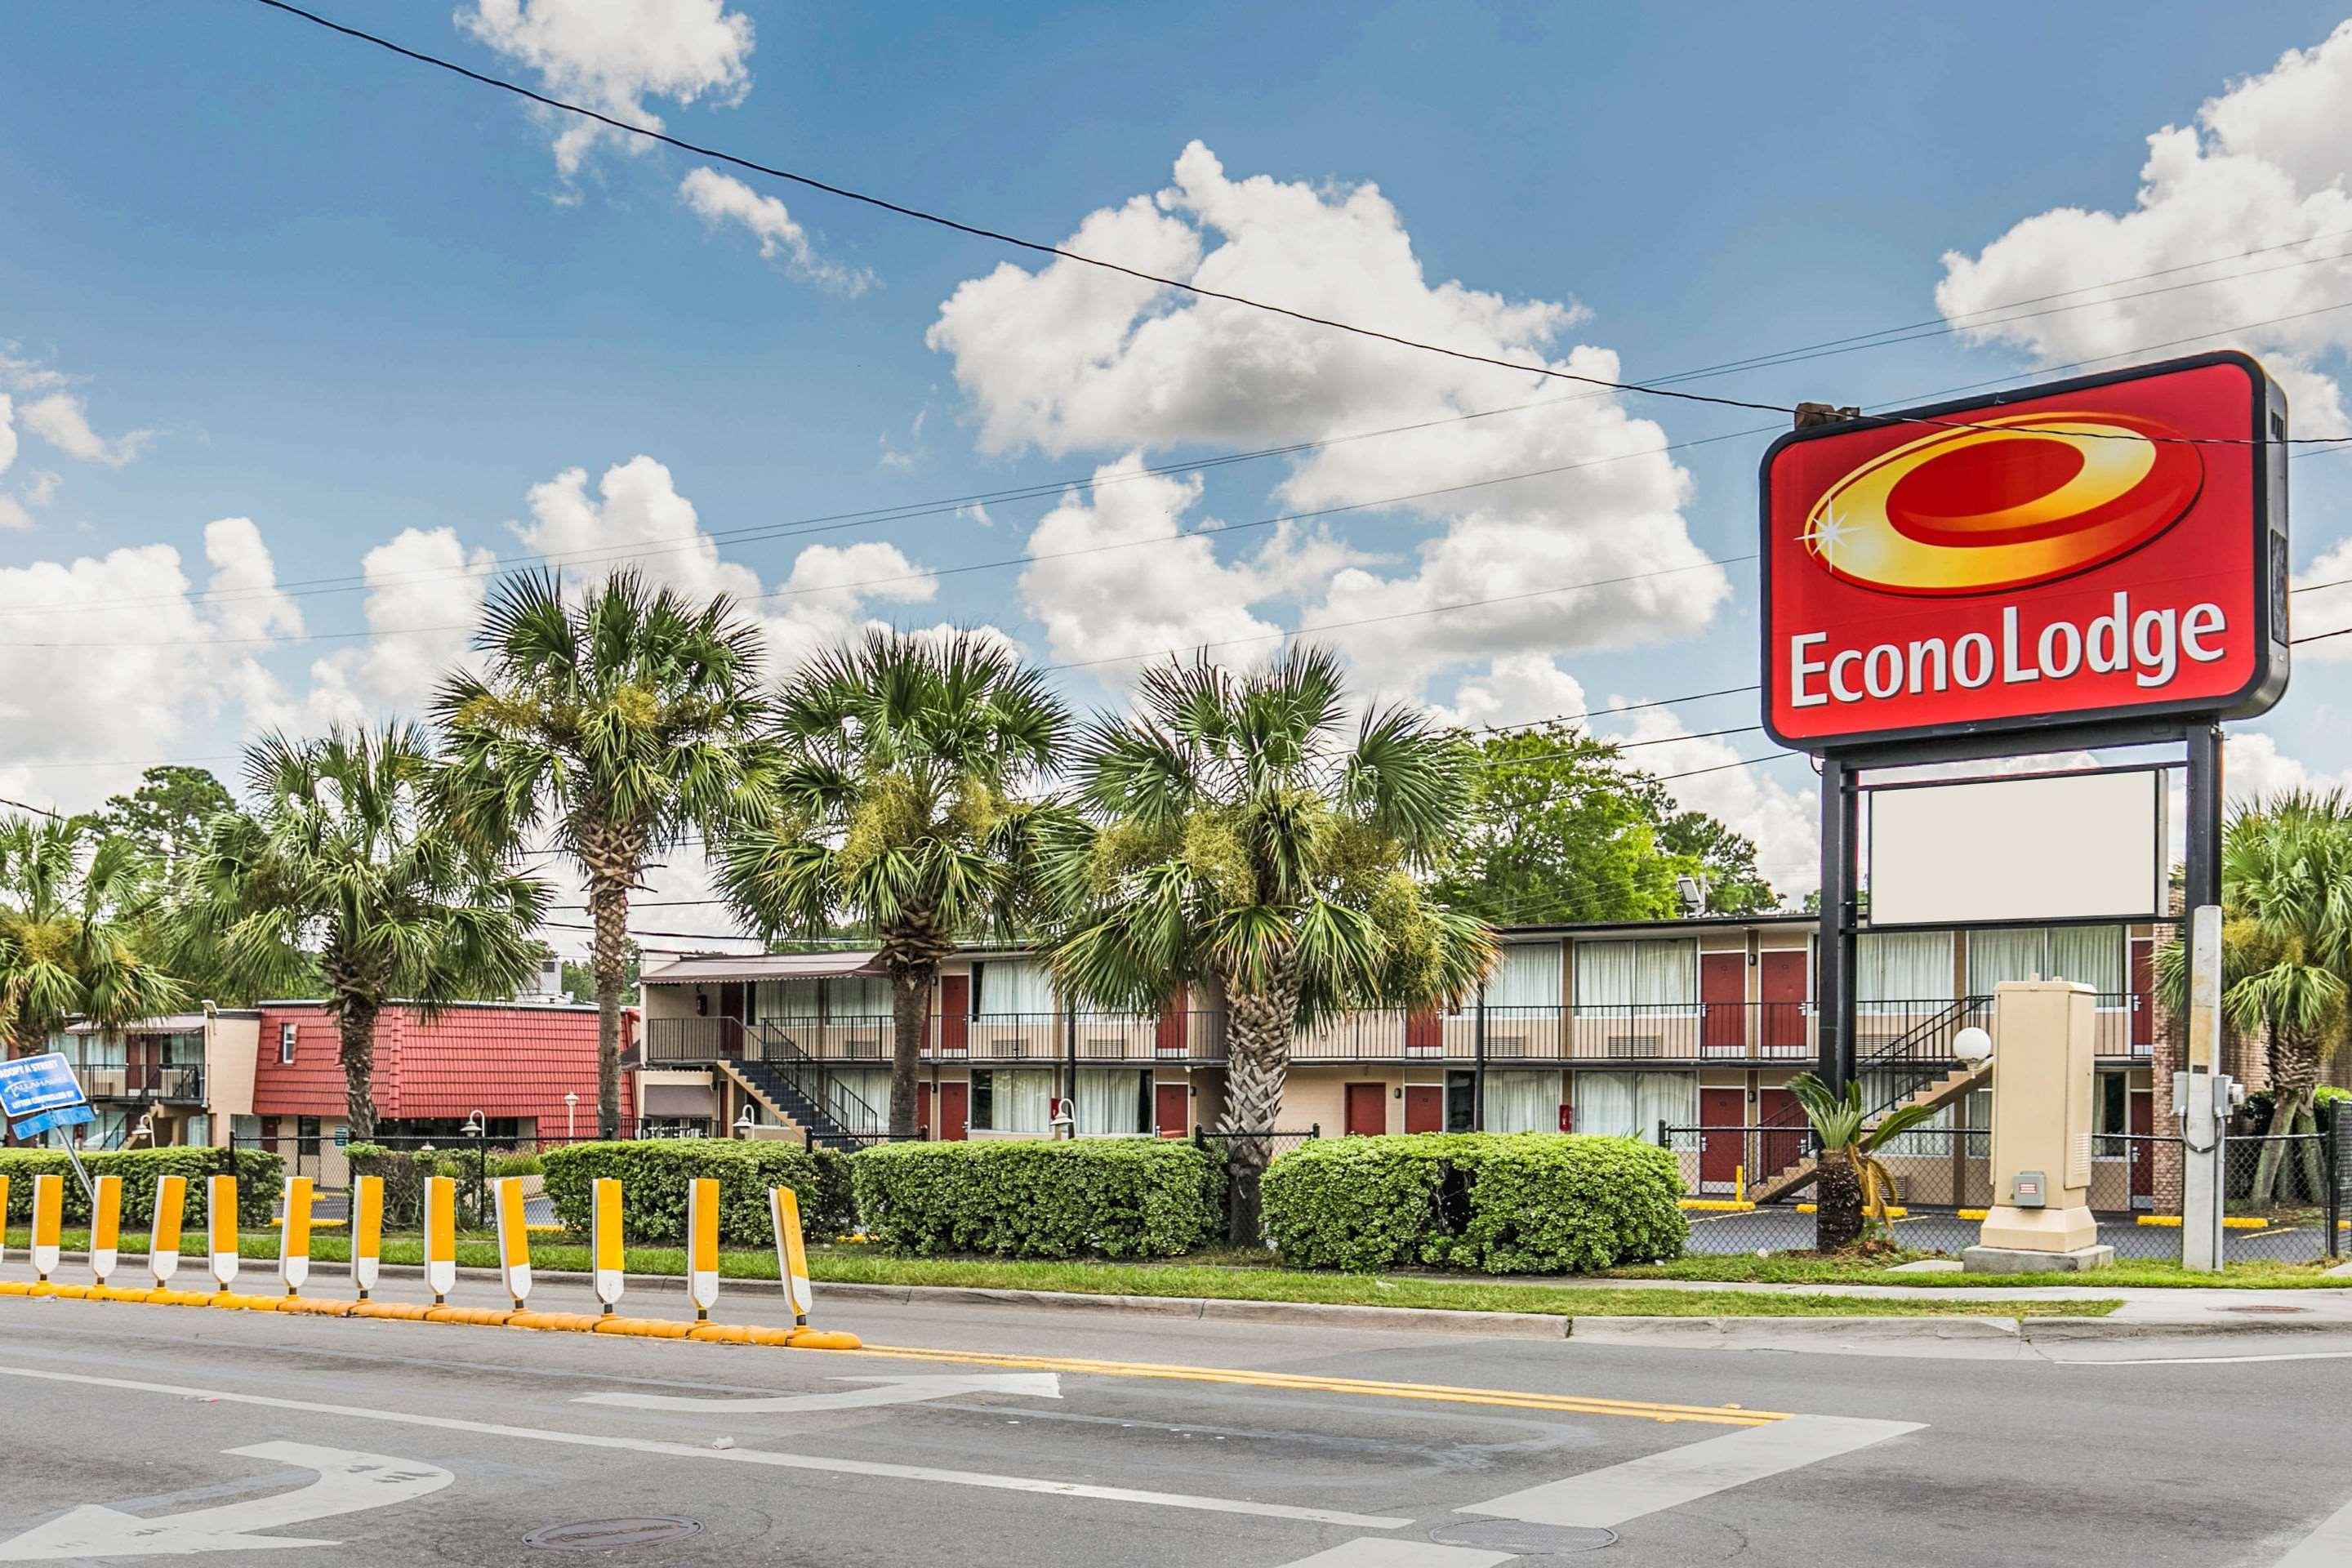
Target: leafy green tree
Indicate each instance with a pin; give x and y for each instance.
(74, 931)
(903, 805)
(2286, 952)
(342, 869)
(624, 723)
(1725, 861)
(166, 815)
(1239, 834)
(579, 979)
(1555, 830)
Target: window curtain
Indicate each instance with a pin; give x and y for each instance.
(1631, 1104)
(1109, 1101)
(2020, 953)
(1903, 966)
(1528, 976)
(777, 1000)
(871, 1085)
(1020, 1098)
(1636, 973)
(1015, 985)
(1522, 1101)
(2092, 956)
(860, 997)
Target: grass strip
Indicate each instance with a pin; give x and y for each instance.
(1794, 1268)
(864, 1266)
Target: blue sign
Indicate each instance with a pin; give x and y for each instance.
(30, 1085)
(64, 1116)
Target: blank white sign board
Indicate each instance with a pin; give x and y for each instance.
(2063, 846)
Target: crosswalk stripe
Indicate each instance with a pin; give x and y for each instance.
(1373, 1552)
(2329, 1546)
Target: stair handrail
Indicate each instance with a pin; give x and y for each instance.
(1900, 1045)
(851, 1116)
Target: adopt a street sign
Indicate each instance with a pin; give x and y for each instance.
(30, 1085)
(49, 1120)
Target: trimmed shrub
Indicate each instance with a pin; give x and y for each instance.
(1075, 1198)
(403, 1172)
(653, 1173)
(1526, 1202)
(259, 1177)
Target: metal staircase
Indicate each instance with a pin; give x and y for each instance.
(798, 1092)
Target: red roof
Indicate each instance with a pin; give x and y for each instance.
(501, 1059)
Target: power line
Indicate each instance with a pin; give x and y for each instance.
(1197, 291)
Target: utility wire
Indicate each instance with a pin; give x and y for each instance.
(1197, 291)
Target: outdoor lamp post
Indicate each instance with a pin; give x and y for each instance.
(571, 1114)
(1972, 1044)
(744, 1123)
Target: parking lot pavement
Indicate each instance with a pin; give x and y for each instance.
(131, 1427)
(1784, 1229)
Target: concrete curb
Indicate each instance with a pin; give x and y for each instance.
(2077, 1331)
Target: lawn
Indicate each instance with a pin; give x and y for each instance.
(1256, 1281)
(1806, 1268)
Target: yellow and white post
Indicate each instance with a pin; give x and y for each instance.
(606, 1234)
(440, 1236)
(220, 1225)
(48, 1223)
(163, 1240)
(367, 1231)
(702, 1245)
(514, 1237)
(105, 1225)
(294, 1236)
(4, 1217)
(791, 1253)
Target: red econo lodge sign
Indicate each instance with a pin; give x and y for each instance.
(2111, 547)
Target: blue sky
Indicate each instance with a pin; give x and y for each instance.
(356, 302)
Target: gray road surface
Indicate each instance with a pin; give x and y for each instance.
(411, 1443)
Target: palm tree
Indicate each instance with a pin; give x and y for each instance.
(626, 721)
(1850, 1183)
(341, 864)
(1239, 837)
(73, 908)
(902, 806)
(2286, 952)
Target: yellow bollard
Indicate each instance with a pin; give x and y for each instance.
(1738, 1184)
(792, 1253)
(4, 1218)
(48, 1223)
(294, 1237)
(440, 1236)
(702, 1245)
(514, 1237)
(220, 1225)
(164, 1241)
(606, 1235)
(105, 1225)
(367, 1231)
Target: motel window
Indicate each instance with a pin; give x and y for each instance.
(1012, 1100)
(870, 1085)
(778, 1000)
(1612, 977)
(306, 1137)
(860, 997)
(2111, 1114)
(1527, 975)
(1460, 1101)
(1627, 1104)
(1524, 1101)
(285, 1035)
(1903, 966)
(1012, 985)
(2091, 955)
(245, 1132)
(1113, 1100)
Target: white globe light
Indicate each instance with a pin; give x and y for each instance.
(1972, 1044)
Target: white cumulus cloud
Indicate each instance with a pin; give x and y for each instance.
(2263, 169)
(720, 199)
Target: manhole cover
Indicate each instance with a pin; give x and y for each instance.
(2266, 1307)
(611, 1535)
(1524, 1540)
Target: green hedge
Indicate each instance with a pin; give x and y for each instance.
(1084, 1198)
(653, 1173)
(1528, 1202)
(258, 1178)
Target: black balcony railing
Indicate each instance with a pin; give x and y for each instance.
(143, 1082)
(1043, 1037)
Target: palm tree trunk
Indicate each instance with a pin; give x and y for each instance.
(1837, 1193)
(2294, 1058)
(1257, 1032)
(356, 1022)
(910, 1008)
(608, 904)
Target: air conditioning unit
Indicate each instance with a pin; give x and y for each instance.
(1636, 1045)
(547, 986)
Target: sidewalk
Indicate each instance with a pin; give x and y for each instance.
(2141, 1303)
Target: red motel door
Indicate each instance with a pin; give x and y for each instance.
(1723, 992)
(2143, 999)
(1424, 1032)
(1172, 1108)
(923, 1109)
(955, 1021)
(1785, 984)
(955, 1110)
(2143, 1152)
(1368, 1109)
(1171, 1038)
(1425, 1107)
(1719, 1152)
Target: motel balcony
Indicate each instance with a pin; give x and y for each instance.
(1096, 1038)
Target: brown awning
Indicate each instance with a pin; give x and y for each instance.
(765, 966)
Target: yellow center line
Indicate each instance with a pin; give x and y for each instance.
(1515, 1399)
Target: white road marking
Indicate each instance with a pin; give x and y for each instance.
(2214, 1360)
(891, 1391)
(2329, 1546)
(1605, 1498)
(1373, 1552)
(736, 1456)
(347, 1483)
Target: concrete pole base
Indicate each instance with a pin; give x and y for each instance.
(2017, 1261)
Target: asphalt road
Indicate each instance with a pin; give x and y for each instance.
(413, 1443)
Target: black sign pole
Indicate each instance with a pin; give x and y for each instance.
(2201, 876)
(1834, 989)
